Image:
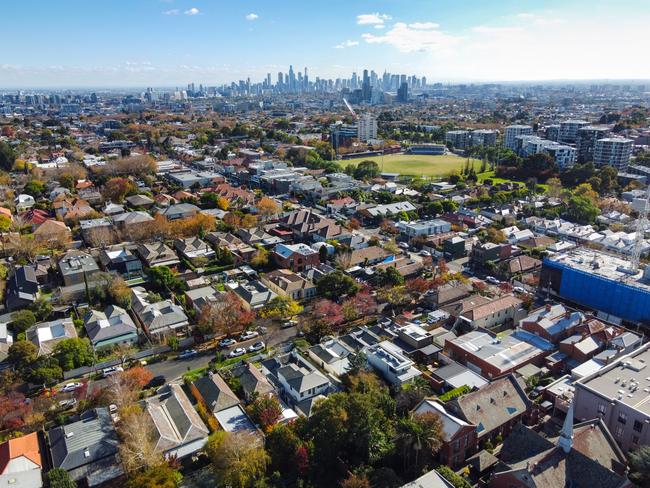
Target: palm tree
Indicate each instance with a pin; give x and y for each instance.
(416, 434)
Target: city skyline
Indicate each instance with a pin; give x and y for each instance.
(173, 42)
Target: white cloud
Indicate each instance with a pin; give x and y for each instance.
(348, 43)
(406, 38)
(252, 16)
(173, 11)
(373, 19)
(424, 25)
(192, 11)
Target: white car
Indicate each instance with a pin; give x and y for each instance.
(106, 372)
(518, 289)
(403, 245)
(425, 253)
(492, 280)
(258, 346)
(235, 353)
(223, 343)
(66, 404)
(249, 334)
(71, 387)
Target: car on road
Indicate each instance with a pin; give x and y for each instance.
(403, 245)
(70, 387)
(492, 280)
(190, 353)
(425, 253)
(156, 381)
(518, 289)
(288, 323)
(67, 404)
(262, 330)
(224, 343)
(249, 334)
(258, 346)
(235, 353)
(106, 372)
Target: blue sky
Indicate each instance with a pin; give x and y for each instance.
(173, 42)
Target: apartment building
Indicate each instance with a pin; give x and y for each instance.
(512, 131)
(613, 151)
(569, 130)
(586, 141)
(460, 139)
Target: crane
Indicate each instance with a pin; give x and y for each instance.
(641, 225)
(347, 104)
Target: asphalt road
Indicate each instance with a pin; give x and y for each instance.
(173, 368)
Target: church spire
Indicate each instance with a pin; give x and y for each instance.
(566, 434)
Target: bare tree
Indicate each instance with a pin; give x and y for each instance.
(138, 447)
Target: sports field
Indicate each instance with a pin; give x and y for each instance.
(416, 164)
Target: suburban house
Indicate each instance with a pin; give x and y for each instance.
(392, 363)
(252, 381)
(297, 257)
(179, 211)
(179, 430)
(213, 393)
(113, 326)
(552, 322)
(46, 335)
(77, 268)
(478, 311)
(193, 248)
(157, 254)
(459, 437)
(200, 297)
(331, 355)
(122, 261)
(162, 317)
(21, 462)
(131, 220)
(299, 380)
(24, 202)
(494, 409)
(240, 251)
(140, 201)
(286, 283)
(87, 449)
(70, 208)
(22, 288)
(53, 232)
(254, 294)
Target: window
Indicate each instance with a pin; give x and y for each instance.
(619, 431)
(622, 417)
(638, 426)
(456, 445)
(635, 440)
(602, 408)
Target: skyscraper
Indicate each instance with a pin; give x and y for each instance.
(365, 87)
(403, 92)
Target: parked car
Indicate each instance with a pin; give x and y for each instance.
(492, 280)
(425, 253)
(67, 404)
(262, 330)
(235, 353)
(71, 387)
(156, 381)
(106, 372)
(289, 323)
(249, 334)
(224, 343)
(190, 353)
(258, 346)
(518, 289)
(403, 245)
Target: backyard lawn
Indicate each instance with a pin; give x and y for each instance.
(416, 164)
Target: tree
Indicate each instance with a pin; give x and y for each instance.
(138, 440)
(73, 353)
(116, 189)
(356, 481)
(419, 437)
(120, 292)
(22, 354)
(164, 279)
(360, 305)
(41, 308)
(281, 307)
(260, 258)
(495, 236)
(286, 451)
(267, 207)
(366, 170)
(60, 478)
(585, 190)
(640, 466)
(225, 316)
(22, 320)
(336, 285)
(125, 387)
(7, 156)
(265, 411)
(162, 476)
(554, 187)
(328, 311)
(389, 277)
(238, 459)
(581, 210)
(44, 371)
(411, 394)
(34, 188)
(456, 480)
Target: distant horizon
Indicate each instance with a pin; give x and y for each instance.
(183, 85)
(127, 43)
